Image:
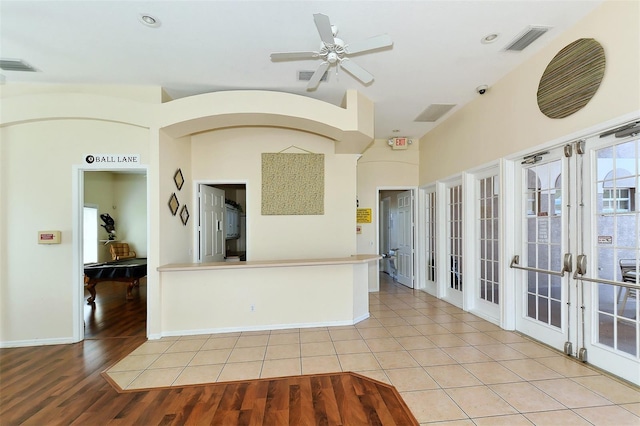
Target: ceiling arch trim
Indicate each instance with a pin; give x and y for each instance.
(82, 106)
(350, 125)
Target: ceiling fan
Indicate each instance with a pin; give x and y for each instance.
(334, 51)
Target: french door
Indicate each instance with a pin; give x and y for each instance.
(454, 241)
(607, 266)
(580, 226)
(544, 286)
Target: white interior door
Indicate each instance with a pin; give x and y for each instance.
(212, 237)
(404, 254)
(384, 234)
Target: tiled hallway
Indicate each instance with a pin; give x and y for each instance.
(451, 367)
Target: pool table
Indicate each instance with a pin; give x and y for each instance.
(128, 270)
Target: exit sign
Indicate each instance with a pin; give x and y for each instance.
(400, 143)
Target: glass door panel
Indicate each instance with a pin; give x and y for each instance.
(544, 232)
(543, 287)
(454, 241)
(455, 237)
(612, 326)
(487, 199)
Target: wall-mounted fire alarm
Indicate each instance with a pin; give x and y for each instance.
(48, 237)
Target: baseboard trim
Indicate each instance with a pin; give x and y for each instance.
(257, 328)
(37, 342)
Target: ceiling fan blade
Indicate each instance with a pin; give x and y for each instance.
(372, 43)
(324, 28)
(356, 70)
(315, 78)
(291, 56)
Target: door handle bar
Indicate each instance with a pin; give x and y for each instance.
(515, 265)
(576, 276)
(582, 268)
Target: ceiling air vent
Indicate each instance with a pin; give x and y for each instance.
(528, 36)
(434, 112)
(15, 65)
(306, 75)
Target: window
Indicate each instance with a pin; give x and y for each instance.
(90, 238)
(431, 235)
(617, 200)
(455, 236)
(488, 222)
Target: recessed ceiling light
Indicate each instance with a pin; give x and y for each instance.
(490, 38)
(149, 20)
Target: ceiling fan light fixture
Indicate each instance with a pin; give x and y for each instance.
(334, 51)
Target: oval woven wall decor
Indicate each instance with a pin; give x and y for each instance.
(571, 78)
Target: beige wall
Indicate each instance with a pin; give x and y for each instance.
(381, 167)
(235, 156)
(507, 120)
(37, 287)
(45, 133)
(98, 191)
(282, 297)
(131, 209)
(175, 238)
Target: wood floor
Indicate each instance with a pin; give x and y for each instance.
(63, 385)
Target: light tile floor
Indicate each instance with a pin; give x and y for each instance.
(451, 367)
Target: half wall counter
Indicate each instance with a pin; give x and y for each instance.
(218, 297)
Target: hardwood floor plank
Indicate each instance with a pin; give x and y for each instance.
(396, 406)
(319, 409)
(259, 403)
(295, 404)
(206, 407)
(276, 408)
(373, 398)
(306, 409)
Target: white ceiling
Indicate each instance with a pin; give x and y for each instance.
(205, 46)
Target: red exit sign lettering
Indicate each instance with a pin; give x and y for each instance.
(400, 143)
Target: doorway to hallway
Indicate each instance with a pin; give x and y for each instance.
(222, 230)
(122, 195)
(397, 234)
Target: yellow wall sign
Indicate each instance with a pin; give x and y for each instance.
(364, 216)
